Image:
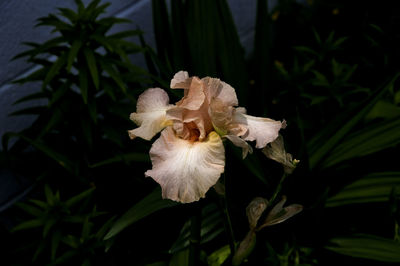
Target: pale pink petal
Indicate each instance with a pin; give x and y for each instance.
(150, 114)
(194, 96)
(180, 80)
(217, 89)
(262, 130)
(181, 117)
(186, 170)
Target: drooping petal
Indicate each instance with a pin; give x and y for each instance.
(254, 211)
(150, 114)
(262, 130)
(186, 170)
(278, 214)
(276, 151)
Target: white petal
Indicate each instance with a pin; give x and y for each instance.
(150, 114)
(262, 130)
(186, 170)
(179, 79)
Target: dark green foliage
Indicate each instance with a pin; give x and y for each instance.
(329, 68)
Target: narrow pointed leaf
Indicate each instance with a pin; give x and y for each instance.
(150, 204)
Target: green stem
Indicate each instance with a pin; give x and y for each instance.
(278, 188)
(227, 220)
(195, 236)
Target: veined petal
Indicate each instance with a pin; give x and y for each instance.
(180, 80)
(217, 89)
(150, 114)
(194, 95)
(262, 130)
(186, 170)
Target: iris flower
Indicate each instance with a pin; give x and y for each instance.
(189, 156)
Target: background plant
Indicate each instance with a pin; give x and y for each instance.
(328, 67)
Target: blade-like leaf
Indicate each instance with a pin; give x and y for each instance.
(374, 187)
(128, 157)
(75, 199)
(150, 204)
(327, 139)
(367, 247)
(91, 62)
(366, 141)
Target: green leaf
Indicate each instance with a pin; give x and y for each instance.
(124, 34)
(383, 109)
(54, 69)
(55, 241)
(127, 157)
(49, 195)
(113, 74)
(28, 225)
(368, 140)
(73, 52)
(48, 224)
(36, 110)
(29, 209)
(83, 84)
(60, 158)
(327, 139)
(91, 62)
(68, 13)
(181, 258)
(367, 247)
(211, 227)
(75, 199)
(30, 97)
(374, 187)
(218, 257)
(39, 203)
(150, 204)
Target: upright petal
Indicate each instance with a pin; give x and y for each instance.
(150, 113)
(262, 130)
(217, 89)
(180, 80)
(186, 170)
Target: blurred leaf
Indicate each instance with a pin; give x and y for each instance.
(73, 52)
(218, 257)
(180, 258)
(211, 227)
(368, 140)
(60, 158)
(55, 241)
(49, 195)
(374, 187)
(113, 74)
(28, 225)
(91, 62)
(128, 157)
(150, 204)
(383, 109)
(77, 198)
(33, 96)
(29, 209)
(367, 247)
(325, 140)
(54, 70)
(36, 110)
